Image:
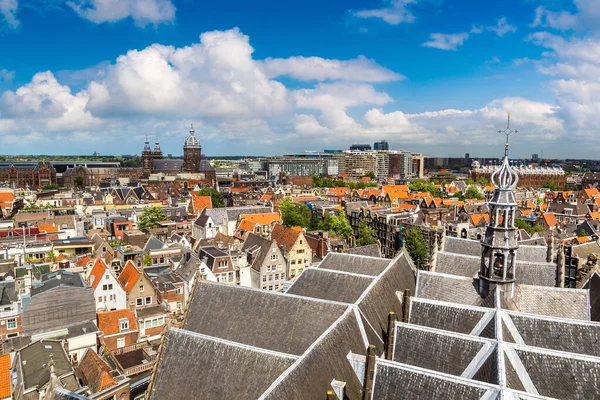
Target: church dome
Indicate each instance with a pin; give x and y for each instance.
(191, 141)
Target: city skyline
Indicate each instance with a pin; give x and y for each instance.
(429, 76)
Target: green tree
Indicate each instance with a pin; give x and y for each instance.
(416, 246)
(50, 187)
(550, 185)
(294, 214)
(582, 233)
(522, 224)
(339, 225)
(483, 182)
(473, 193)
(79, 181)
(366, 234)
(216, 197)
(151, 217)
(370, 175)
(147, 260)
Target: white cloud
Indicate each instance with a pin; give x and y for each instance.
(316, 68)
(8, 12)
(446, 41)
(143, 12)
(6, 75)
(395, 12)
(214, 78)
(476, 29)
(502, 27)
(562, 20)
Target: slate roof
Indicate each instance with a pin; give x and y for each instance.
(214, 310)
(355, 264)
(154, 244)
(444, 287)
(190, 357)
(473, 248)
(189, 266)
(59, 278)
(593, 285)
(36, 372)
(371, 250)
(330, 285)
(167, 165)
(259, 247)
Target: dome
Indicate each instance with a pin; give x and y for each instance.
(191, 141)
(157, 147)
(147, 145)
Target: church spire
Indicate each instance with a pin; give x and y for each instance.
(499, 245)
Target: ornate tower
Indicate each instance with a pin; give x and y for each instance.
(157, 152)
(499, 246)
(147, 158)
(192, 152)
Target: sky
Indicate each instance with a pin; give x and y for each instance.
(272, 77)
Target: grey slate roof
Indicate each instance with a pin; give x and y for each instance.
(444, 287)
(593, 285)
(189, 266)
(394, 381)
(552, 302)
(259, 246)
(436, 350)
(154, 244)
(198, 366)
(371, 250)
(270, 321)
(447, 316)
(330, 285)
(167, 165)
(36, 371)
(473, 248)
(59, 278)
(350, 263)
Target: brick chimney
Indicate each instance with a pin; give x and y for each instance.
(390, 335)
(405, 305)
(369, 373)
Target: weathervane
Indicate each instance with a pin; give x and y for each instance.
(507, 132)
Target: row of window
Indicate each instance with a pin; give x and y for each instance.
(112, 297)
(271, 287)
(151, 323)
(274, 277)
(140, 301)
(274, 268)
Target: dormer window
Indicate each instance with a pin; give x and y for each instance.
(124, 324)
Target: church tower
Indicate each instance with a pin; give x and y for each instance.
(147, 158)
(499, 246)
(157, 152)
(192, 152)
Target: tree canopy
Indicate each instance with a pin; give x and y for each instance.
(550, 185)
(330, 183)
(522, 224)
(416, 246)
(366, 234)
(419, 185)
(151, 217)
(216, 197)
(294, 214)
(51, 186)
(473, 193)
(336, 224)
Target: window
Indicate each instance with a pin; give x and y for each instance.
(11, 323)
(268, 268)
(100, 299)
(264, 278)
(139, 301)
(300, 241)
(300, 251)
(271, 287)
(141, 288)
(124, 324)
(293, 262)
(273, 257)
(120, 342)
(148, 299)
(276, 277)
(179, 291)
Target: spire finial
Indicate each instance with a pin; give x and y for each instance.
(507, 132)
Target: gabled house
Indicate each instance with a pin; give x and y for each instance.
(108, 292)
(10, 316)
(216, 266)
(267, 267)
(119, 328)
(188, 269)
(294, 246)
(138, 287)
(159, 251)
(169, 288)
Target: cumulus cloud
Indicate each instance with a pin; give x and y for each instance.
(320, 69)
(562, 20)
(8, 12)
(143, 12)
(394, 12)
(446, 41)
(214, 78)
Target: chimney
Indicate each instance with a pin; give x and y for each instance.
(390, 335)
(405, 305)
(369, 373)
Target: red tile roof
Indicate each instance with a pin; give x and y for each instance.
(550, 219)
(5, 385)
(84, 261)
(262, 219)
(96, 372)
(285, 236)
(108, 321)
(96, 273)
(199, 203)
(129, 276)
(61, 257)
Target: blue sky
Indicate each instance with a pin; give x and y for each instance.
(270, 77)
